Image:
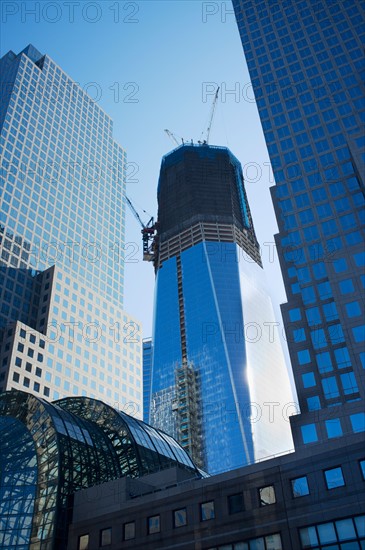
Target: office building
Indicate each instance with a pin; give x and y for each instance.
(218, 372)
(313, 499)
(306, 65)
(50, 451)
(63, 330)
(147, 365)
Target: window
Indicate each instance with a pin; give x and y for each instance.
(303, 357)
(353, 309)
(334, 478)
(358, 422)
(235, 503)
(153, 524)
(346, 286)
(313, 403)
(308, 380)
(106, 536)
(207, 510)
(330, 388)
(342, 358)
(348, 382)
(16, 377)
(180, 517)
(83, 542)
(359, 333)
(362, 468)
(309, 433)
(331, 533)
(130, 530)
(18, 362)
(300, 486)
(333, 428)
(26, 382)
(324, 362)
(267, 495)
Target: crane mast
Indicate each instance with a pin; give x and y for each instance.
(148, 233)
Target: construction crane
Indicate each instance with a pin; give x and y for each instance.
(210, 122)
(173, 137)
(148, 233)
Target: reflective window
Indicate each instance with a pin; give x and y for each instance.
(207, 510)
(362, 468)
(267, 495)
(321, 535)
(333, 427)
(129, 530)
(300, 486)
(334, 478)
(346, 286)
(106, 537)
(313, 316)
(153, 524)
(180, 517)
(353, 309)
(309, 433)
(308, 380)
(342, 358)
(358, 422)
(330, 387)
(303, 357)
(359, 333)
(324, 362)
(83, 542)
(348, 382)
(314, 403)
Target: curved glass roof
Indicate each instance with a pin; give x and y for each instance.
(154, 450)
(52, 450)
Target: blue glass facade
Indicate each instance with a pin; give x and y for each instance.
(210, 292)
(147, 366)
(307, 69)
(62, 182)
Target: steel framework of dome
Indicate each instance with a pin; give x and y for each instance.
(48, 451)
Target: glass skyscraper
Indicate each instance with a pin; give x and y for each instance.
(63, 330)
(216, 367)
(306, 63)
(147, 365)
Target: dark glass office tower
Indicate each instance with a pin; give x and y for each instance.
(307, 69)
(216, 367)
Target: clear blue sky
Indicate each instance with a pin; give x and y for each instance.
(161, 55)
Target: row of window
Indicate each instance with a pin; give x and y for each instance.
(333, 426)
(267, 496)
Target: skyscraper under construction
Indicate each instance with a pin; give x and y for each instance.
(218, 382)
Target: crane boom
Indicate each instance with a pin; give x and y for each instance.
(134, 211)
(212, 115)
(172, 136)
